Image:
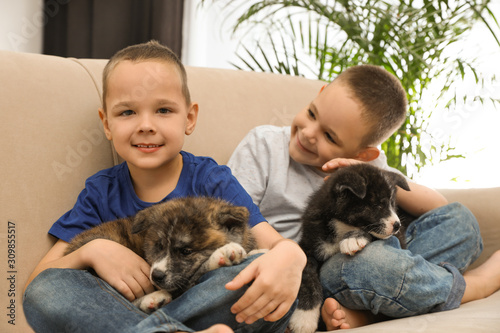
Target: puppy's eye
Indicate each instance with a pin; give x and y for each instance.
(159, 245)
(185, 251)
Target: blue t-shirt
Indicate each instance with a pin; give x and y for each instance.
(109, 195)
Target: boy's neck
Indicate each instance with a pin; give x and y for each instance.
(153, 185)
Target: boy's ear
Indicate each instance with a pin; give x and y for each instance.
(368, 154)
(322, 88)
(192, 117)
(104, 120)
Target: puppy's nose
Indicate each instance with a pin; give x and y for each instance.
(157, 276)
(396, 226)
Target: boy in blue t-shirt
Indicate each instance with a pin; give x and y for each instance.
(147, 111)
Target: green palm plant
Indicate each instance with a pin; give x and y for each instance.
(409, 38)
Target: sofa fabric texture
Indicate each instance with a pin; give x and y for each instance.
(52, 140)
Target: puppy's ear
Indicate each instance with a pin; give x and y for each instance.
(398, 180)
(354, 183)
(140, 222)
(233, 216)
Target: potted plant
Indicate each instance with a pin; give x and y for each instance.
(411, 39)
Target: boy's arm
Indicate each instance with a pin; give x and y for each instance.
(124, 270)
(276, 277)
(420, 199)
(277, 274)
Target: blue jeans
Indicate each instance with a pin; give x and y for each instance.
(67, 300)
(425, 278)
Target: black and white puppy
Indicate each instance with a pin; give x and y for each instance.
(181, 239)
(355, 205)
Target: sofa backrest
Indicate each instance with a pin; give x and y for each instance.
(52, 140)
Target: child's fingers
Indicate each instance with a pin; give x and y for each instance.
(129, 288)
(137, 282)
(146, 287)
(253, 312)
(279, 312)
(259, 301)
(332, 165)
(246, 303)
(144, 280)
(124, 289)
(131, 284)
(247, 275)
(336, 163)
(270, 310)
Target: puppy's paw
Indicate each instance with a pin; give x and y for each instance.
(352, 245)
(304, 321)
(152, 302)
(227, 255)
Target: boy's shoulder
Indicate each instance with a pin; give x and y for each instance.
(189, 158)
(109, 173)
(261, 145)
(112, 178)
(266, 130)
(270, 134)
(200, 167)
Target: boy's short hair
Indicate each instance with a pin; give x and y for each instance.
(151, 50)
(382, 97)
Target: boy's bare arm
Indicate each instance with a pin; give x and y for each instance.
(276, 278)
(119, 266)
(420, 199)
(55, 259)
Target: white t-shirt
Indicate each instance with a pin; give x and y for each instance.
(277, 184)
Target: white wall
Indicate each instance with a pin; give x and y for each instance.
(21, 24)
(208, 40)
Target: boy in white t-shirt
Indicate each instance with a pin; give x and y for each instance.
(281, 166)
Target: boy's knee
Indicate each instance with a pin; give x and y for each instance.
(462, 212)
(465, 224)
(44, 286)
(459, 213)
(40, 303)
(376, 261)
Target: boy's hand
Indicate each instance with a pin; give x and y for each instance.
(336, 163)
(119, 266)
(276, 278)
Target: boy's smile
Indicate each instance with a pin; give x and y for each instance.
(146, 114)
(148, 148)
(330, 127)
(301, 146)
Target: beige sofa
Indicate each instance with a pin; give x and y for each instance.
(52, 141)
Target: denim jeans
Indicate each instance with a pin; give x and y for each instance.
(426, 277)
(67, 300)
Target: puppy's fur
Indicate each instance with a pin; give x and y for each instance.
(355, 205)
(181, 239)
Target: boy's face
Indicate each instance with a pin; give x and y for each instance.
(330, 127)
(146, 113)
